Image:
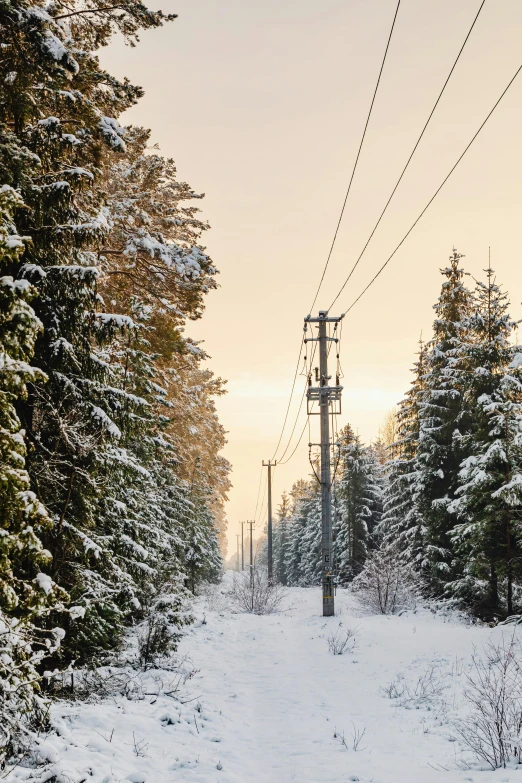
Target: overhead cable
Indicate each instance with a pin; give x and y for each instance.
(357, 157)
(432, 112)
(374, 278)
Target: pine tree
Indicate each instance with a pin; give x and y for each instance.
(281, 538)
(301, 495)
(310, 566)
(401, 525)
(360, 506)
(27, 593)
(116, 269)
(489, 496)
(444, 419)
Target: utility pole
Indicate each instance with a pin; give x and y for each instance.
(251, 523)
(270, 465)
(242, 546)
(326, 396)
(237, 552)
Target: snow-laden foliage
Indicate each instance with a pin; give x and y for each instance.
(357, 509)
(111, 482)
(453, 500)
(434, 507)
(27, 593)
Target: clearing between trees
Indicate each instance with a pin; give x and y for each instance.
(264, 699)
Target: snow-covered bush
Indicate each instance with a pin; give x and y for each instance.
(341, 641)
(257, 594)
(387, 583)
(217, 598)
(493, 728)
(426, 690)
(22, 649)
(164, 614)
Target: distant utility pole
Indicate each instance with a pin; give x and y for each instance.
(326, 396)
(242, 546)
(251, 523)
(270, 465)
(237, 552)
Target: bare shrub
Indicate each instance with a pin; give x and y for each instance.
(255, 594)
(357, 736)
(387, 583)
(394, 689)
(341, 641)
(95, 684)
(156, 639)
(426, 690)
(216, 598)
(429, 686)
(494, 693)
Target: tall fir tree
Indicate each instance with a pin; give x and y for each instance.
(488, 500)
(401, 524)
(359, 505)
(444, 419)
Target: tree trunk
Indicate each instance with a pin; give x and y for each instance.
(493, 587)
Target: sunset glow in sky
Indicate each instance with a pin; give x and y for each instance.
(262, 106)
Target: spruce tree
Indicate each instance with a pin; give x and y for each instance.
(488, 499)
(401, 525)
(444, 419)
(360, 506)
(281, 538)
(27, 593)
(301, 494)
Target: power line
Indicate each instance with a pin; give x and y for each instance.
(258, 491)
(280, 460)
(357, 157)
(374, 278)
(432, 112)
(337, 230)
(290, 400)
(256, 519)
(296, 445)
(297, 418)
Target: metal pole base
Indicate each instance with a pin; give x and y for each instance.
(328, 597)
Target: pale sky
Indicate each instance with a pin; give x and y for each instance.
(262, 106)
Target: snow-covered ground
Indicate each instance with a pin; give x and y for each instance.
(266, 702)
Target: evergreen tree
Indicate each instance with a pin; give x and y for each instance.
(27, 593)
(360, 506)
(401, 524)
(301, 495)
(281, 538)
(489, 496)
(444, 419)
(116, 269)
(310, 566)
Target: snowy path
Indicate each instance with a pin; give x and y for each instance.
(286, 695)
(267, 698)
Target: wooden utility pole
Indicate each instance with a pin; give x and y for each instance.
(270, 465)
(242, 546)
(251, 523)
(237, 552)
(326, 396)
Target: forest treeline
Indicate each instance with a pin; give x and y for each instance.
(111, 482)
(441, 489)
